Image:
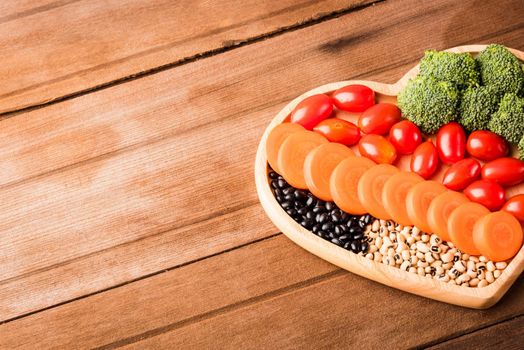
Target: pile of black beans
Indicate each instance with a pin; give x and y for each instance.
(322, 218)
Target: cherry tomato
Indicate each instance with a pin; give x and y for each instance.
(504, 171)
(379, 118)
(424, 160)
(377, 148)
(488, 193)
(451, 143)
(354, 98)
(312, 110)
(339, 130)
(515, 206)
(486, 145)
(461, 174)
(405, 136)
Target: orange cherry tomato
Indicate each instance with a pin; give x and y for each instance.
(379, 118)
(377, 148)
(339, 130)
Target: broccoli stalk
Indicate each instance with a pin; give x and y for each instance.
(477, 106)
(429, 103)
(508, 121)
(458, 68)
(500, 69)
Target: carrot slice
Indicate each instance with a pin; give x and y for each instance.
(275, 139)
(461, 223)
(498, 236)
(292, 155)
(344, 184)
(394, 195)
(419, 198)
(440, 209)
(370, 188)
(319, 166)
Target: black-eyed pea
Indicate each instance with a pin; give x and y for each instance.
(497, 273)
(501, 265)
(482, 283)
(405, 266)
(489, 277)
(474, 282)
(490, 266)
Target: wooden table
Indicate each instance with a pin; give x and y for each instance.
(129, 217)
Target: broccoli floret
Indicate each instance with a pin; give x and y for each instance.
(477, 106)
(508, 120)
(429, 103)
(521, 148)
(500, 69)
(458, 68)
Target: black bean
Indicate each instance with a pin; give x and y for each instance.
(300, 195)
(311, 202)
(289, 197)
(332, 235)
(291, 212)
(298, 204)
(329, 206)
(344, 216)
(322, 218)
(319, 210)
(274, 184)
(316, 228)
(273, 175)
(322, 234)
(302, 211)
(307, 223)
(288, 190)
(328, 226)
(367, 219)
(335, 217)
(336, 241)
(341, 228)
(344, 238)
(358, 236)
(282, 183)
(355, 246)
(347, 245)
(337, 231)
(286, 205)
(353, 231)
(310, 215)
(364, 247)
(362, 224)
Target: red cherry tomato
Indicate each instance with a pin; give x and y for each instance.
(405, 136)
(312, 110)
(339, 130)
(379, 118)
(451, 143)
(424, 160)
(504, 171)
(488, 193)
(377, 148)
(515, 206)
(486, 145)
(461, 174)
(354, 98)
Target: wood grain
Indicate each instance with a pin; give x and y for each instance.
(267, 294)
(78, 45)
(140, 143)
(340, 312)
(507, 335)
(173, 297)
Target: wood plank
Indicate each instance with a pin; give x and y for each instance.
(265, 295)
(506, 335)
(171, 297)
(341, 312)
(146, 136)
(109, 40)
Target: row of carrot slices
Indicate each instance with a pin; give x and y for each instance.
(332, 172)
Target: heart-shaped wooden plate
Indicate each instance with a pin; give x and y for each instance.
(479, 298)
